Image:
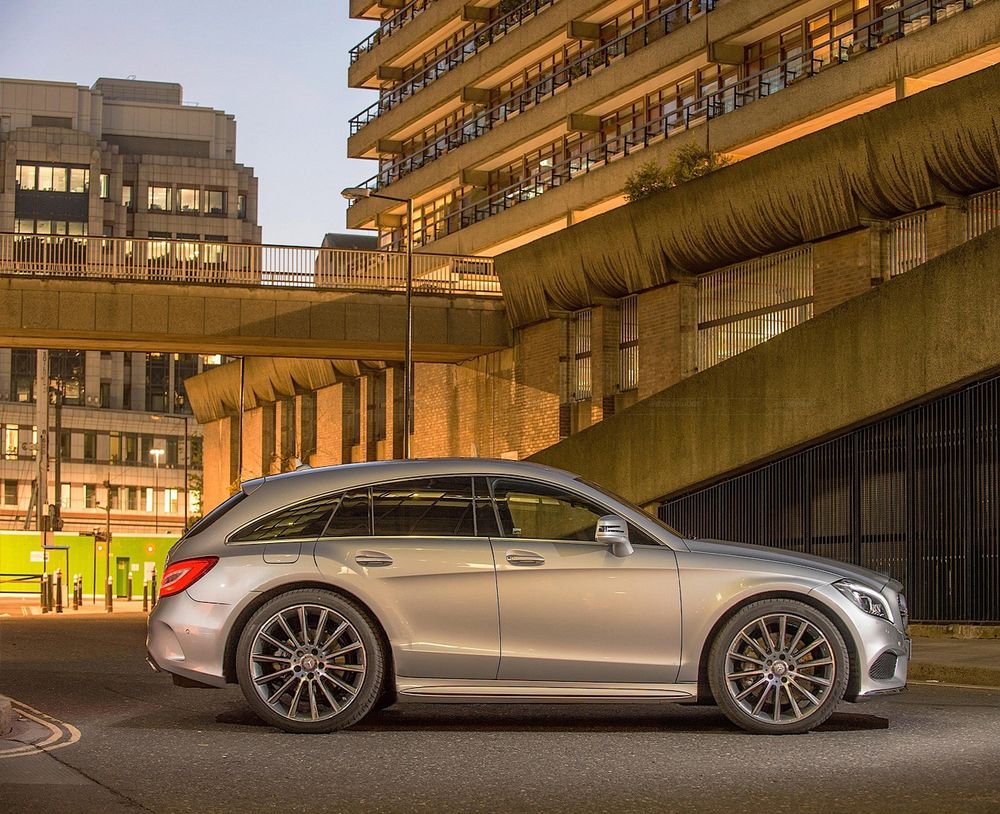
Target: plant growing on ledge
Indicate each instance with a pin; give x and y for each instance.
(507, 6)
(685, 164)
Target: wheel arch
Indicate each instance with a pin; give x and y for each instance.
(853, 676)
(232, 640)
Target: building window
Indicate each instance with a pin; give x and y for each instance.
(907, 243)
(132, 498)
(27, 176)
(53, 179)
(171, 446)
(241, 206)
(65, 495)
(10, 493)
(79, 180)
(90, 496)
(748, 303)
(628, 344)
(128, 196)
(90, 446)
(188, 200)
(10, 433)
(215, 202)
(105, 186)
(169, 501)
(114, 498)
(581, 355)
(159, 199)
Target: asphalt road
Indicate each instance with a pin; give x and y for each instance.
(146, 745)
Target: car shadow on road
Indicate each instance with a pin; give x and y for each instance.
(561, 718)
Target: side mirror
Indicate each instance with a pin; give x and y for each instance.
(613, 531)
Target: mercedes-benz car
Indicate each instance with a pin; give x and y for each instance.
(329, 592)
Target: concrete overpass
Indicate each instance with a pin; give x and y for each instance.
(99, 293)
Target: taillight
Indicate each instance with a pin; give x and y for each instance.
(182, 574)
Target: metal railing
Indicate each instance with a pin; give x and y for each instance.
(243, 264)
(908, 19)
(546, 85)
(389, 27)
(469, 47)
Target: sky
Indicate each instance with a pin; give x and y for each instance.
(279, 67)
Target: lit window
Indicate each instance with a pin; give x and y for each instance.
(169, 500)
(241, 206)
(26, 176)
(215, 202)
(128, 200)
(187, 200)
(10, 492)
(628, 345)
(105, 186)
(79, 179)
(149, 499)
(159, 199)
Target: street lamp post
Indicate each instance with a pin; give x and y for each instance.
(358, 193)
(157, 453)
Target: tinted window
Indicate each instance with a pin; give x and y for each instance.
(435, 507)
(537, 511)
(486, 517)
(351, 517)
(302, 520)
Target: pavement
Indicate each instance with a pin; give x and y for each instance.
(98, 731)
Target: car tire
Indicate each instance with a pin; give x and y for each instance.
(311, 661)
(778, 667)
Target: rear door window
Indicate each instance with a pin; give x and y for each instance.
(424, 507)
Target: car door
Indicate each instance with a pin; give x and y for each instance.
(570, 610)
(410, 549)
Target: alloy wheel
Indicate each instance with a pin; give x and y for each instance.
(780, 668)
(307, 663)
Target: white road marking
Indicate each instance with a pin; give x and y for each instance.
(62, 733)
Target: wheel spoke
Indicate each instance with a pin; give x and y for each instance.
(751, 688)
(814, 679)
(288, 632)
(803, 690)
(756, 646)
(348, 649)
(803, 624)
(760, 701)
(347, 668)
(270, 659)
(313, 711)
(293, 708)
(741, 657)
(321, 626)
(329, 698)
(282, 646)
(303, 624)
(777, 703)
(767, 636)
(267, 678)
(809, 648)
(795, 706)
(342, 684)
(781, 632)
(280, 691)
(744, 674)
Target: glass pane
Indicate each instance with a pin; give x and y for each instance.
(542, 512)
(351, 516)
(78, 179)
(26, 176)
(436, 507)
(306, 520)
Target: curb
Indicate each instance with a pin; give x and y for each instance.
(6, 716)
(953, 674)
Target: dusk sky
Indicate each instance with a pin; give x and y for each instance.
(280, 68)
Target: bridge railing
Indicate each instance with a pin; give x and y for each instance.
(245, 264)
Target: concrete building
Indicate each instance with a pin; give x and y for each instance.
(122, 159)
(672, 346)
(506, 121)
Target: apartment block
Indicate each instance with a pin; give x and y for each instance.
(121, 159)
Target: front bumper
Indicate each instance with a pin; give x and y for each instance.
(188, 638)
(881, 649)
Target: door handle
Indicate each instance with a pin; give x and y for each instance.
(372, 559)
(520, 557)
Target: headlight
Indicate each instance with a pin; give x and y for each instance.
(871, 602)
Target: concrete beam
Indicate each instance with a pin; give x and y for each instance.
(923, 333)
(251, 321)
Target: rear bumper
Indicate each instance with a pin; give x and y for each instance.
(188, 639)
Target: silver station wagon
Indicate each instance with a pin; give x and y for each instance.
(327, 593)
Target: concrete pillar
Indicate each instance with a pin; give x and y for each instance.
(117, 380)
(138, 383)
(946, 227)
(659, 316)
(845, 266)
(605, 328)
(540, 373)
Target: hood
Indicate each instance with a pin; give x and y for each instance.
(837, 569)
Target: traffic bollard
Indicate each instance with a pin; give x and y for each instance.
(59, 591)
(152, 590)
(109, 596)
(76, 586)
(44, 582)
(128, 590)
(145, 597)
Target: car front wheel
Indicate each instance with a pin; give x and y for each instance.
(779, 666)
(310, 661)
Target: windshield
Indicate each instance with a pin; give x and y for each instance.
(632, 506)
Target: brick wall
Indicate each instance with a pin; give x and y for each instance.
(844, 266)
(659, 315)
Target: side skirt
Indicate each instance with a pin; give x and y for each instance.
(467, 691)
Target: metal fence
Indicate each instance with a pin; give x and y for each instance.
(983, 213)
(915, 495)
(412, 9)
(183, 261)
(907, 243)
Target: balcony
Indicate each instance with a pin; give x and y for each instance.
(910, 18)
(585, 65)
(389, 27)
(456, 56)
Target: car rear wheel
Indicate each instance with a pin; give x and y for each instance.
(779, 666)
(310, 661)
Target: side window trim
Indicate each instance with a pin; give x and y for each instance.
(301, 539)
(386, 483)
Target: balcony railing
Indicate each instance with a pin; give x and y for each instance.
(908, 19)
(469, 47)
(389, 27)
(546, 85)
(146, 260)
